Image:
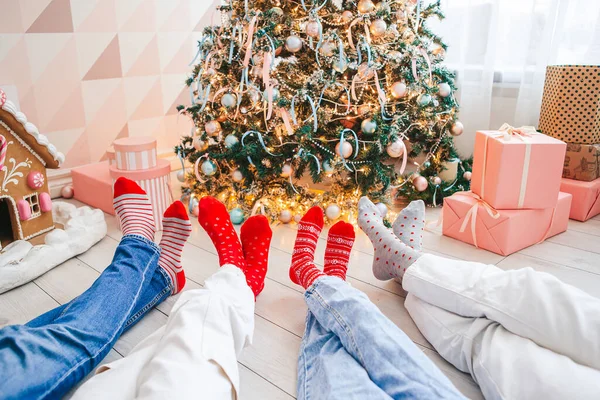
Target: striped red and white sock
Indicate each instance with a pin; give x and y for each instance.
(215, 220)
(133, 209)
(339, 246)
(176, 231)
(303, 271)
(256, 237)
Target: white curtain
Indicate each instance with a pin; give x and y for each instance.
(500, 50)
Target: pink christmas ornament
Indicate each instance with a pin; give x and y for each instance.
(67, 192)
(35, 180)
(467, 175)
(420, 183)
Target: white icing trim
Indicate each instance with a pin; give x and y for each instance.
(22, 142)
(39, 233)
(33, 131)
(16, 213)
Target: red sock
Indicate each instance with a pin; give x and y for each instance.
(256, 237)
(214, 218)
(134, 209)
(303, 270)
(339, 246)
(176, 231)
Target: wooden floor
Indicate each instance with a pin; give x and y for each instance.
(268, 367)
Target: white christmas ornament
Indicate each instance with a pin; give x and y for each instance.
(327, 167)
(312, 29)
(378, 27)
(327, 49)
(213, 128)
(274, 93)
(229, 100)
(444, 89)
(286, 171)
(368, 126)
(231, 140)
(181, 175)
(347, 16)
(345, 151)
(383, 210)
(199, 144)
(285, 216)
(424, 100)
(457, 129)
(340, 65)
(399, 90)
(293, 44)
(333, 212)
(208, 168)
(365, 6)
(237, 176)
(396, 148)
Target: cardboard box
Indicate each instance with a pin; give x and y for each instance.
(511, 172)
(571, 103)
(586, 198)
(467, 218)
(582, 162)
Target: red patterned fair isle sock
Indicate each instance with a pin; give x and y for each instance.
(133, 209)
(176, 231)
(339, 246)
(256, 237)
(214, 218)
(303, 271)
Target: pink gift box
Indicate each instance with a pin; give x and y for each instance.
(586, 198)
(93, 185)
(517, 172)
(469, 219)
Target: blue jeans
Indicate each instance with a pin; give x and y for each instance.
(350, 350)
(49, 355)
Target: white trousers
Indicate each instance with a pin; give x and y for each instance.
(521, 334)
(194, 355)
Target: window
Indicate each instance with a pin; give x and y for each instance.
(34, 204)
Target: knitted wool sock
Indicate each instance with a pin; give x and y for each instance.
(339, 246)
(410, 223)
(303, 271)
(133, 209)
(392, 257)
(214, 218)
(176, 231)
(256, 237)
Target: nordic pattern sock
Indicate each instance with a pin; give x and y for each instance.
(133, 209)
(303, 271)
(256, 237)
(410, 223)
(392, 257)
(176, 231)
(214, 218)
(339, 246)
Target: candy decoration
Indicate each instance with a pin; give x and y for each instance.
(24, 210)
(45, 202)
(35, 180)
(237, 216)
(285, 216)
(67, 192)
(3, 147)
(333, 212)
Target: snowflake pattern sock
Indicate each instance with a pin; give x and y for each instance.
(303, 271)
(133, 209)
(214, 218)
(410, 223)
(392, 257)
(339, 246)
(256, 237)
(176, 231)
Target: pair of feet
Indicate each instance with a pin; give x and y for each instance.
(134, 210)
(340, 240)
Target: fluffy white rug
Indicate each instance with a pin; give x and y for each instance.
(21, 262)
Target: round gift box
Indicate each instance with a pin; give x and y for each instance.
(156, 182)
(135, 153)
(110, 155)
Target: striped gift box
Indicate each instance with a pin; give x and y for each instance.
(156, 182)
(135, 153)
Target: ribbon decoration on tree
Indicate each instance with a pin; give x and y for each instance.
(473, 212)
(301, 151)
(508, 132)
(3, 151)
(196, 171)
(342, 140)
(427, 60)
(314, 111)
(260, 139)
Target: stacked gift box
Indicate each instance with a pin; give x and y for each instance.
(571, 112)
(134, 158)
(515, 200)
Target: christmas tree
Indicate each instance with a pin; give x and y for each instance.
(348, 93)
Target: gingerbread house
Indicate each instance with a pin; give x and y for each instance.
(25, 154)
